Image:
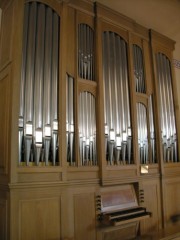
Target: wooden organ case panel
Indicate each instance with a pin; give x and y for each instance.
(84, 216)
(167, 110)
(147, 189)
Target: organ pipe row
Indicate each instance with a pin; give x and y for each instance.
(139, 69)
(118, 137)
(85, 52)
(146, 143)
(167, 115)
(87, 129)
(38, 116)
(142, 133)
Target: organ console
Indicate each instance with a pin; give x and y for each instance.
(120, 207)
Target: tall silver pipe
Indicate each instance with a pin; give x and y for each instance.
(152, 132)
(38, 79)
(30, 64)
(23, 81)
(24, 56)
(47, 67)
(70, 118)
(55, 66)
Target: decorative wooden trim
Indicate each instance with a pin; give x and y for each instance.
(120, 20)
(161, 40)
(84, 6)
(54, 4)
(87, 85)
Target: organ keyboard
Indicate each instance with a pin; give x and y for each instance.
(119, 207)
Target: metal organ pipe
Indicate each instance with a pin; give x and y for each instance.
(39, 98)
(85, 52)
(23, 76)
(118, 139)
(87, 129)
(70, 119)
(138, 69)
(152, 131)
(142, 133)
(168, 125)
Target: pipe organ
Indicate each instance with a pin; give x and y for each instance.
(85, 52)
(139, 69)
(167, 116)
(87, 129)
(118, 133)
(38, 115)
(89, 118)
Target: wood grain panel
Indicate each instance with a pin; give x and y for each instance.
(152, 204)
(4, 119)
(42, 177)
(6, 34)
(128, 232)
(3, 219)
(40, 219)
(172, 199)
(84, 217)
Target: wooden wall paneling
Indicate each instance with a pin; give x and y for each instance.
(127, 231)
(171, 199)
(151, 199)
(99, 99)
(3, 218)
(5, 100)
(43, 221)
(35, 212)
(84, 216)
(6, 33)
(15, 84)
